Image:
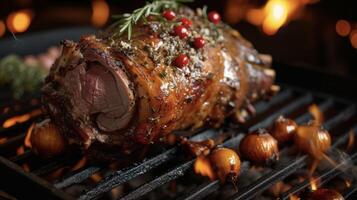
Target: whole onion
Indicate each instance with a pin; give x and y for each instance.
(259, 147)
(283, 130)
(46, 140)
(225, 162)
(312, 139)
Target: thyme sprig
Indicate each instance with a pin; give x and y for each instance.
(126, 21)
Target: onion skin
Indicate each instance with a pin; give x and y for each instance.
(283, 130)
(225, 162)
(47, 141)
(312, 139)
(260, 147)
(325, 194)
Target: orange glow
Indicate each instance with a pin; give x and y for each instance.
(80, 163)
(20, 151)
(348, 183)
(21, 118)
(316, 114)
(3, 140)
(353, 38)
(2, 28)
(255, 16)
(27, 141)
(294, 197)
(19, 21)
(343, 28)
(203, 167)
(96, 177)
(276, 14)
(55, 174)
(351, 141)
(100, 13)
(313, 183)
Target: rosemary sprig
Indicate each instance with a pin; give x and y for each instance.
(126, 21)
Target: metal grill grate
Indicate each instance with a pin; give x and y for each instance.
(291, 102)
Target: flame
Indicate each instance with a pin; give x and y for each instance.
(351, 141)
(313, 183)
(2, 28)
(55, 174)
(80, 163)
(27, 141)
(203, 167)
(294, 197)
(276, 12)
(96, 177)
(348, 183)
(343, 28)
(100, 12)
(21, 118)
(19, 21)
(19, 151)
(316, 114)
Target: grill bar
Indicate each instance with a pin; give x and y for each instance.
(264, 106)
(299, 102)
(292, 101)
(286, 110)
(252, 190)
(324, 177)
(26, 184)
(78, 177)
(208, 188)
(171, 175)
(329, 174)
(119, 177)
(350, 193)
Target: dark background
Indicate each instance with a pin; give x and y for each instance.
(308, 38)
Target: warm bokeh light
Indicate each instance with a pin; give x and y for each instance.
(18, 22)
(2, 28)
(255, 16)
(294, 197)
(276, 15)
(313, 184)
(100, 12)
(203, 167)
(343, 27)
(353, 38)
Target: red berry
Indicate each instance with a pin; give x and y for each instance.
(214, 17)
(181, 61)
(169, 14)
(186, 22)
(199, 42)
(181, 31)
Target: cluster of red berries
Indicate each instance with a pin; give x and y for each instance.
(182, 32)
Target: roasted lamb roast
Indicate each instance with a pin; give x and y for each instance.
(123, 94)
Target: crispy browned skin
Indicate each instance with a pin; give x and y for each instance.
(114, 92)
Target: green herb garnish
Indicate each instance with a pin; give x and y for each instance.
(21, 77)
(126, 21)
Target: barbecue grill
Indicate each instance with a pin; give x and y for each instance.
(166, 172)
